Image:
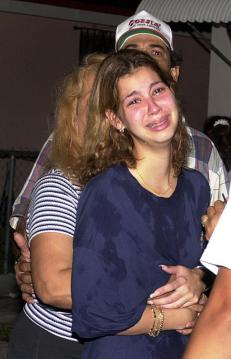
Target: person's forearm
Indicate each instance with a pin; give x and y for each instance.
(173, 319)
(56, 291)
(211, 337)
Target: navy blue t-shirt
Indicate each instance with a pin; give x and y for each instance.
(123, 234)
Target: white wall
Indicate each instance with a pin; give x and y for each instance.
(220, 75)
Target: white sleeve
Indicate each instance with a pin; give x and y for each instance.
(218, 250)
(53, 206)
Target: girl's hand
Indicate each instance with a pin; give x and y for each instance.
(182, 290)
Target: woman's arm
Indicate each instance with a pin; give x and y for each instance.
(174, 319)
(51, 262)
(50, 227)
(211, 338)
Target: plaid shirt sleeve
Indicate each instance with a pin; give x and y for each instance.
(205, 158)
(21, 203)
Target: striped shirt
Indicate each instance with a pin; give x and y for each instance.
(53, 208)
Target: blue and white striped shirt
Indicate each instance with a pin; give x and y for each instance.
(53, 208)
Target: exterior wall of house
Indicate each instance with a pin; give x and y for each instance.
(37, 51)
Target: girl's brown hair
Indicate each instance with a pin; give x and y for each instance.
(103, 144)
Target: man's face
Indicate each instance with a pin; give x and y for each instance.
(155, 47)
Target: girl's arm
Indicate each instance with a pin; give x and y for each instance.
(173, 319)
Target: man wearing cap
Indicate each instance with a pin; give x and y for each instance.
(144, 32)
(147, 33)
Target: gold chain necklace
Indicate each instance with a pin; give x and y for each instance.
(150, 188)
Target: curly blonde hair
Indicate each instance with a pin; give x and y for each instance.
(66, 144)
(103, 145)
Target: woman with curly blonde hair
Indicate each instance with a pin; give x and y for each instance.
(69, 130)
(140, 209)
(43, 328)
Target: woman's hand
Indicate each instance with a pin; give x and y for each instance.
(183, 289)
(22, 245)
(23, 268)
(24, 279)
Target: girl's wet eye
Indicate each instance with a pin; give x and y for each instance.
(133, 102)
(158, 90)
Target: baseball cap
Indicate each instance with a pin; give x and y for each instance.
(143, 23)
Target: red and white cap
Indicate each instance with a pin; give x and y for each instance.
(143, 23)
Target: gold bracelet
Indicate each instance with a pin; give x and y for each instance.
(151, 332)
(158, 322)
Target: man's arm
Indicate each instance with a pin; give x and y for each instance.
(211, 338)
(21, 203)
(218, 177)
(18, 222)
(209, 220)
(205, 158)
